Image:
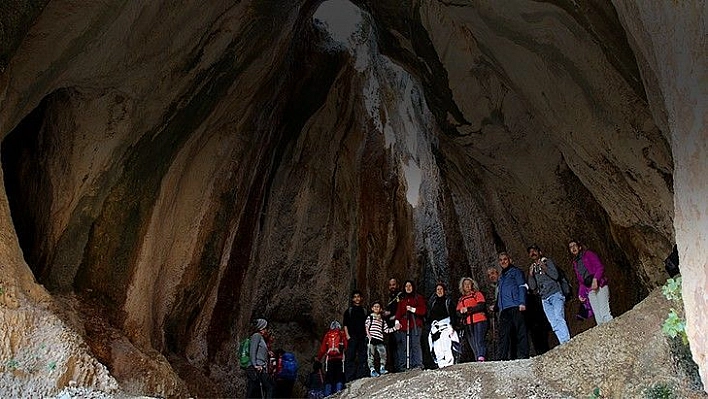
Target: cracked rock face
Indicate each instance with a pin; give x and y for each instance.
(172, 171)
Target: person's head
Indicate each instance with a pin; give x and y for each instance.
(504, 260)
(376, 307)
(409, 287)
(440, 290)
(357, 297)
(334, 325)
(260, 325)
(467, 285)
(575, 247)
(393, 286)
(492, 274)
(534, 252)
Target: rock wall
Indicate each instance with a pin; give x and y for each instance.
(175, 170)
(670, 40)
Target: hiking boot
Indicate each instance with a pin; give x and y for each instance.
(374, 373)
(383, 371)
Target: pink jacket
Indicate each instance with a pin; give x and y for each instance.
(595, 267)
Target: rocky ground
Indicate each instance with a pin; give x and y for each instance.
(627, 358)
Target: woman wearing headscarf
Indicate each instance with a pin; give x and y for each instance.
(592, 281)
(410, 312)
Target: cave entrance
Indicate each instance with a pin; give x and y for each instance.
(24, 153)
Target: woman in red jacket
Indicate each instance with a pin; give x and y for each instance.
(410, 312)
(471, 310)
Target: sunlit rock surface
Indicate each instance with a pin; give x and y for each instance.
(175, 170)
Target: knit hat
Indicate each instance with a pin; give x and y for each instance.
(261, 324)
(334, 325)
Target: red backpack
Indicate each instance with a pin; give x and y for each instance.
(334, 340)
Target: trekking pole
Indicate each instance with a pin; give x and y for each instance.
(494, 337)
(408, 341)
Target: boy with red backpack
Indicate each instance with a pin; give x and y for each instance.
(332, 349)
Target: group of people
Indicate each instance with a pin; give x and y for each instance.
(390, 337)
(517, 289)
(269, 373)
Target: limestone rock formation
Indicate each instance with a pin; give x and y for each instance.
(627, 358)
(173, 170)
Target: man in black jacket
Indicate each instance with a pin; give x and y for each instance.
(394, 296)
(355, 362)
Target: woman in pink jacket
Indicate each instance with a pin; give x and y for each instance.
(592, 282)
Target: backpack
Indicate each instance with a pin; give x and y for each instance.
(335, 344)
(287, 366)
(566, 288)
(244, 353)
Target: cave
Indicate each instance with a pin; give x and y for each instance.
(174, 171)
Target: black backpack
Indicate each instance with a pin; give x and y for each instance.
(566, 287)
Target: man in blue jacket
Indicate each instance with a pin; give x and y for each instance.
(511, 302)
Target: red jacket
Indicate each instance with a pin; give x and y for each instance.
(471, 301)
(403, 316)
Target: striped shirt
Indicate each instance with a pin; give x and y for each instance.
(376, 327)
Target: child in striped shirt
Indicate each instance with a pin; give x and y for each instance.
(375, 329)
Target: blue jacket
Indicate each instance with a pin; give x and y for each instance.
(512, 288)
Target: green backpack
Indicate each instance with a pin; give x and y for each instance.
(244, 353)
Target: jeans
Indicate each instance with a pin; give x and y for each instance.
(381, 349)
(600, 302)
(409, 351)
(554, 307)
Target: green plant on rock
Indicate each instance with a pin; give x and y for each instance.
(660, 390)
(595, 394)
(672, 289)
(12, 364)
(674, 325)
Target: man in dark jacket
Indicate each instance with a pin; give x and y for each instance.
(394, 296)
(511, 303)
(355, 363)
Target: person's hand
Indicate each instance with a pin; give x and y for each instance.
(410, 309)
(397, 325)
(491, 308)
(522, 308)
(594, 285)
(582, 299)
(463, 310)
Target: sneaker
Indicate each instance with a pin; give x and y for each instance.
(383, 371)
(374, 373)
